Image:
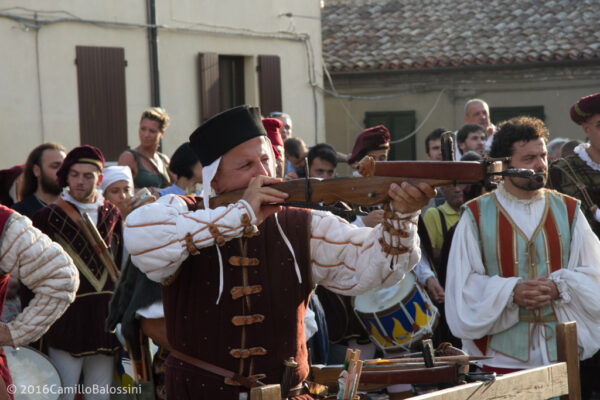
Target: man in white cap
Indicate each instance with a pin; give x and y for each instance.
(237, 278)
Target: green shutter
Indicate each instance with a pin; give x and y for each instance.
(400, 124)
(499, 114)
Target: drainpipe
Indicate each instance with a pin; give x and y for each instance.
(153, 51)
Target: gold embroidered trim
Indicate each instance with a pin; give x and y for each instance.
(214, 232)
(97, 284)
(254, 378)
(238, 261)
(240, 291)
(392, 250)
(249, 229)
(241, 320)
(189, 243)
(245, 353)
(388, 226)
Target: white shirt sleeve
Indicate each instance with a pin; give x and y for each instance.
(358, 222)
(310, 323)
(423, 270)
(579, 285)
(345, 259)
(476, 304)
(155, 234)
(350, 260)
(40, 264)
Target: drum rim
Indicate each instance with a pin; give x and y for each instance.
(389, 310)
(418, 335)
(409, 295)
(34, 351)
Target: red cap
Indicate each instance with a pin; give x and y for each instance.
(272, 126)
(585, 108)
(375, 138)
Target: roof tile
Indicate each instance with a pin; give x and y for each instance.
(363, 35)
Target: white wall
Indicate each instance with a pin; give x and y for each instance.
(245, 28)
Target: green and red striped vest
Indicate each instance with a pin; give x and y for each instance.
(507, 252)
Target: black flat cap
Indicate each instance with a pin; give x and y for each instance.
(224, 131)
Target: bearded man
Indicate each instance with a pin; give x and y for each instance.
(40, 185)
(523, 258)
(77, 342)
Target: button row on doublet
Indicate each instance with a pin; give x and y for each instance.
(239, 291)
(240, 320)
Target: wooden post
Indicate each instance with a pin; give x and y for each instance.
(267, 392)
(566, 343)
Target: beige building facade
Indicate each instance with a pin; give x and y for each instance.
(77, 72)
(412, 66)
(437, 99)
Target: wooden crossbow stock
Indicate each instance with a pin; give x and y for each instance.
(371, 189)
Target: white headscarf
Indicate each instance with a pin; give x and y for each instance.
(114, 174)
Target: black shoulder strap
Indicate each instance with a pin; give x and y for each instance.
(443, 222)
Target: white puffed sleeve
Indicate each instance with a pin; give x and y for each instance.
(155, 234)
(350, 260)
(40, 264)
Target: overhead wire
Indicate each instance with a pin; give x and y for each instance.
(334, 93)
(37, 23)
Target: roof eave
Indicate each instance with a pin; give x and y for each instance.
(480, 67)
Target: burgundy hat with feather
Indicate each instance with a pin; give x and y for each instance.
(374, 138)
(585, 108)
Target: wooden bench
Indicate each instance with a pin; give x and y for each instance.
(555, 380)
(559, 379)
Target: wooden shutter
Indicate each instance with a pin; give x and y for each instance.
(269, 82)
(102, 100)
(208, 72)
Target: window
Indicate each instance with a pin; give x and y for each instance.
(221, 83)
(231, 81)
(499, 114)
(400, 124)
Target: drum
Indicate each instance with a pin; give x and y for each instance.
(397, 317)
(32, 373)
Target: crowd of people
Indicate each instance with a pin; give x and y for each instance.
(106, 266)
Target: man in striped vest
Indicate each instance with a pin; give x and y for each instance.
(523, 258)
